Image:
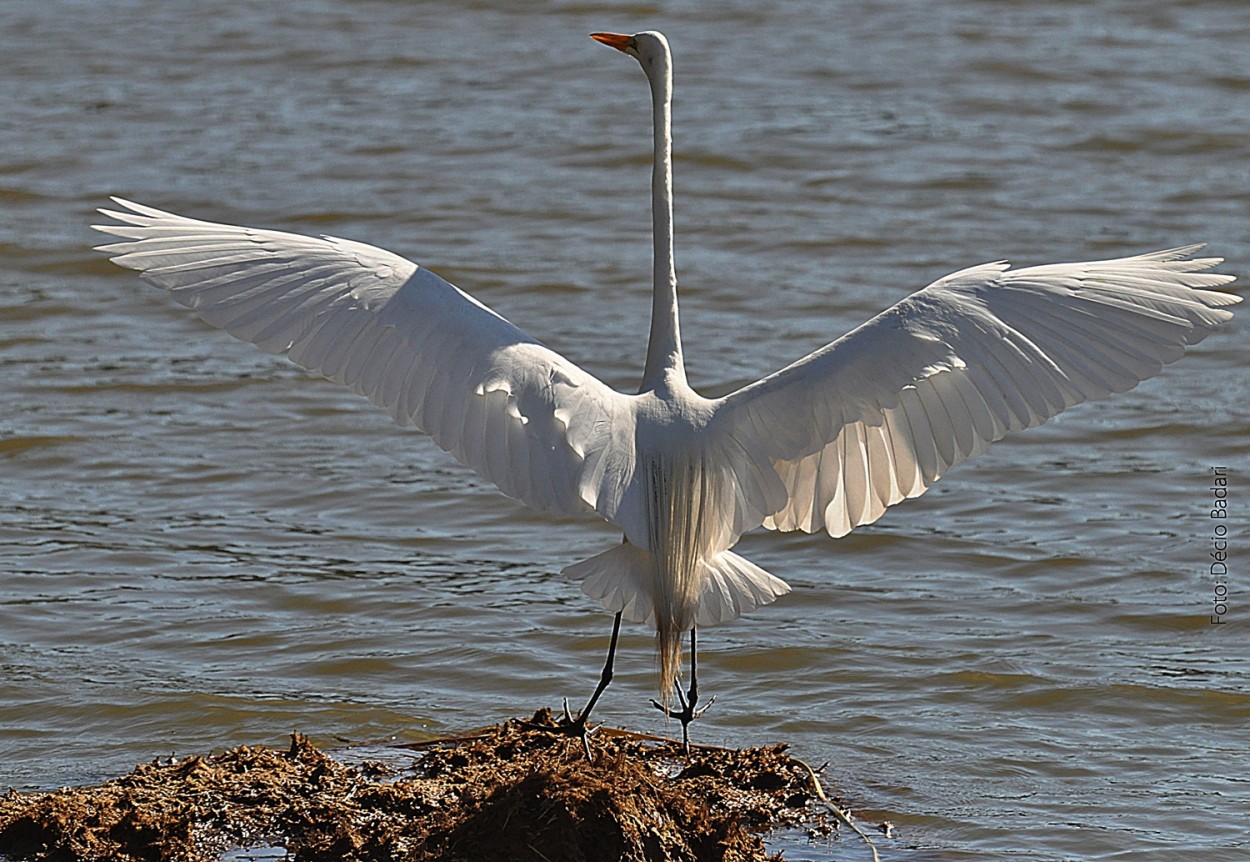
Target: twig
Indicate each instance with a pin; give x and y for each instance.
(537, 853)
(844, 816)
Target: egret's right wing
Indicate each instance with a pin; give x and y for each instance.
(880, 414)
(521, 415)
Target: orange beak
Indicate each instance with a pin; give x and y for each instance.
(613, 40)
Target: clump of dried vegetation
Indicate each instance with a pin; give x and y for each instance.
(509, 792)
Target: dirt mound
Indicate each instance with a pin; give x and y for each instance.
(506, 793)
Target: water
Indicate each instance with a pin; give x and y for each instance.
(202, 547)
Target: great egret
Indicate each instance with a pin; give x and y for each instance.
(828, 442)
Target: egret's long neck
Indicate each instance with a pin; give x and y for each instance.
(664, 344)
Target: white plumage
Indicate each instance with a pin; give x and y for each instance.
(829, 442)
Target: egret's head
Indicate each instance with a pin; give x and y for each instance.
(647, 48)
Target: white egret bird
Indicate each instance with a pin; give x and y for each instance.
(828, 442)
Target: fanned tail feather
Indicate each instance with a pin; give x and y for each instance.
(728, 586)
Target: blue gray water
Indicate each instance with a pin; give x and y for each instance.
(200, 546)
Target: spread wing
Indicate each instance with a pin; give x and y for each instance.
(519, 414)
(882, 413)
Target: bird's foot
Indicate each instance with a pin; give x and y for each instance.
(567, 725)
(687, 713)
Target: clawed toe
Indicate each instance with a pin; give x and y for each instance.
(569, 726)
(687, 713)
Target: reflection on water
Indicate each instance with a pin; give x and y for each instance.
(202, 547)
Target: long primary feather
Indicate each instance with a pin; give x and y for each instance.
(936, 378)
(515, 411)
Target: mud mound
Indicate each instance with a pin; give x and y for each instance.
(506, 793)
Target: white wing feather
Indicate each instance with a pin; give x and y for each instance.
(880, 414)
(521, 415)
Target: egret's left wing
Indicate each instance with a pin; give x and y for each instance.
(526, 418)
(880, 414)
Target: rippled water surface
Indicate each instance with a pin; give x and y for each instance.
(200, 546)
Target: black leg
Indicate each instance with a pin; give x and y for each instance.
(604, 678)
(688, 699)
(577, 726)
